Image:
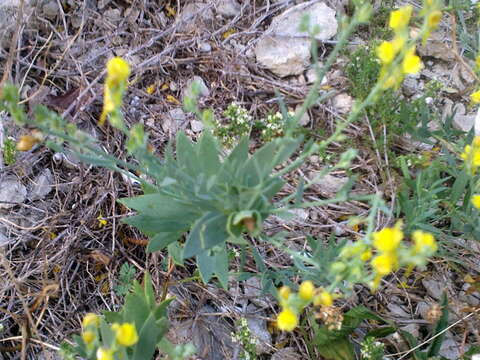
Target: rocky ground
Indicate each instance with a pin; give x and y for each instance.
(62, 243)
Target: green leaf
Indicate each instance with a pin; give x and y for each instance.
(381, 332)
(147, 342)
(214, 263)
(458, 187)
(152, 224)
(341, 349)
(208, 154)
(162, 240)
(208, 231)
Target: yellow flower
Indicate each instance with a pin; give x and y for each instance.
(411, 63)
(287, 320)
(125, 334)
(323, 299)
(471, 154)
(366, 255)
(306, 290)
(477, 62)
(475, 97)
(90, 319)
(400, 18)
(424, 242)
(388, 239)
(118, 70)
(476, 201)
(386, 52)
(433, 19)
(88, 337)
(284, 292)
(384, 264)
(105, 354)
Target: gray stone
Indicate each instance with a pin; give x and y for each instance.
(174, 119)
(299, 215)
(42, 185)
(204, 47)
(12, 192)
(413, 329)
(197, 126)
(461, 120)
(410, 86)
(4, 240)
(253, 291)
(450, 348)
(342, 103)
(50, 10)
(258, 328)
(469, 297)
(311, 76)
(434, 288)
(113, 15)
(329, 184)
(305, 119)
(192, 15)
(397, 310)
(204, 90)
(283, 49)
(227, 8)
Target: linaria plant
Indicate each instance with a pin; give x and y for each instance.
(198, 199)
(133, 333)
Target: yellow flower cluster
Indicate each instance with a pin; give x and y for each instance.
(471, 155)
(386, 242)
(401, 47)
(118, 72)
(124, 335)
(293, 303)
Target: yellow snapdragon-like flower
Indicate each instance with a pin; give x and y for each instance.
(384, 264)
(284, 292)
(90, 319)
(471, 154)
(388, 239)
(475, 97)
(433, 19)
(411, 63)
(287, 320)
(476, 201)
(306, 290)
(424, 242)
(386, 52)
(323, 299)
(105, 354)
(125, 334)
(88, 337)
(366, 255)
(400, 18)
(118, 70)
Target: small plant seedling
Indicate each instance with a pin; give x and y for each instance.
(125, 279)
(9, 151)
